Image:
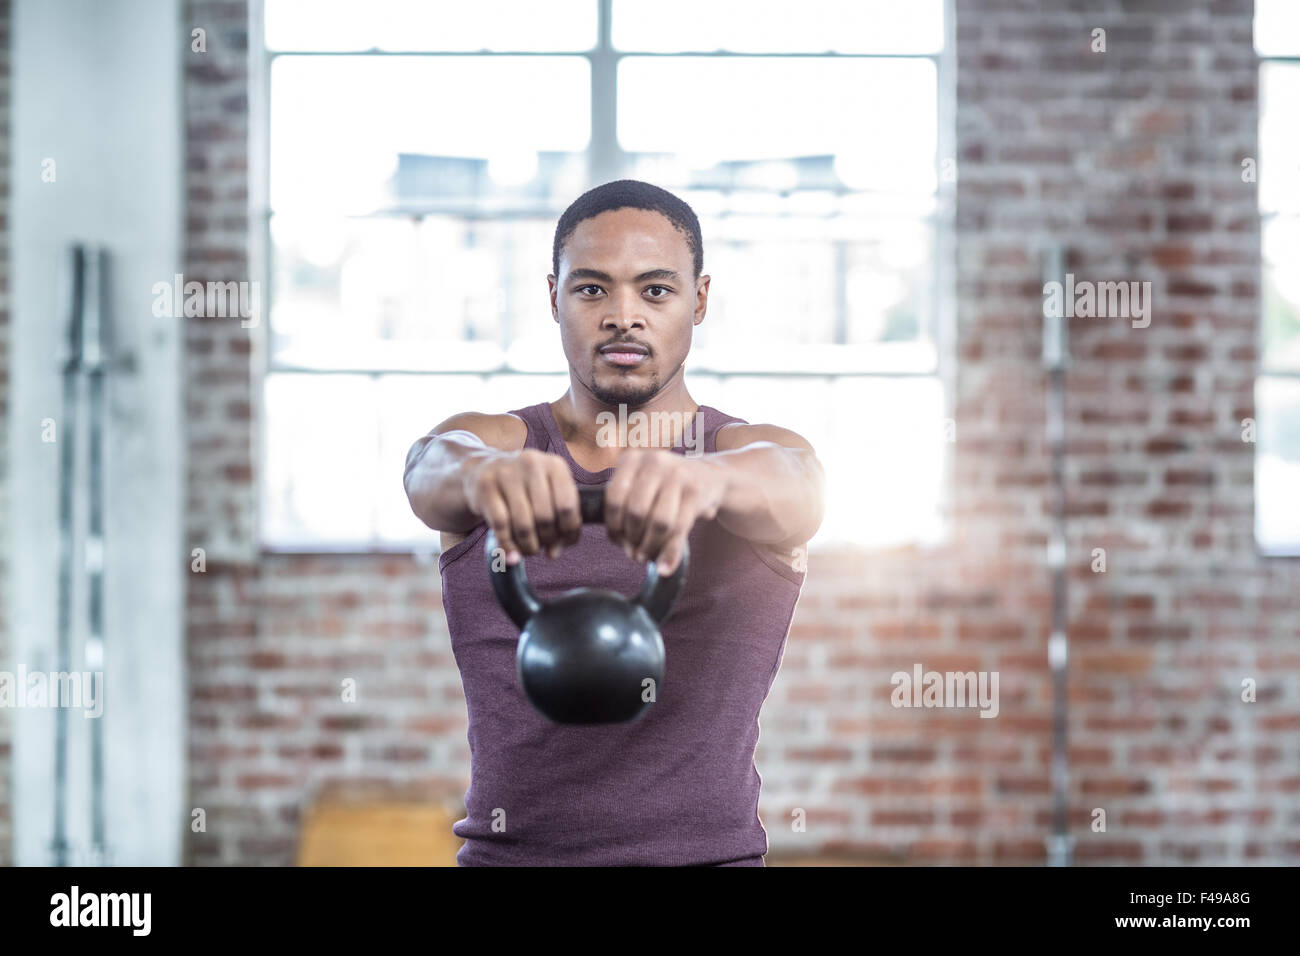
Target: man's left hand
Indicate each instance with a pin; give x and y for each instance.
(655, 498)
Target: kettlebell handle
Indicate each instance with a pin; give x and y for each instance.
(658, 593)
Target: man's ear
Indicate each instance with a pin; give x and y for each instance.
(701, 298)
(552, 287)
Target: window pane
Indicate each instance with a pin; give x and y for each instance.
(439, 293)
(1277, 464)
(880, 440)
(321, 462)
(335, 446)
(1279, 137)
(407, 25)
(1282, 293)
(888, 286)
(413, 404)
(787, 109)
(348, 133)
(817, 303)
(1277, 27)
(452, 293)
(778, 26)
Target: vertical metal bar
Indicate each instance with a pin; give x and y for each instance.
(74, 279)
(96, 348)
(1059, 843)
(604, 156)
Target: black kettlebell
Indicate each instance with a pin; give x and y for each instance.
(586, 657)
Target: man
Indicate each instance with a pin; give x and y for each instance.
(678, 785)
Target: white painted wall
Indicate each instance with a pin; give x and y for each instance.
(97, 87)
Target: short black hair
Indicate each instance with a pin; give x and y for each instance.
(630, 193)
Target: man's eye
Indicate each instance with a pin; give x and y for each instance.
(584, 288)
(664, 289)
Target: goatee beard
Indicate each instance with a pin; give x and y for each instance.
(624, 393)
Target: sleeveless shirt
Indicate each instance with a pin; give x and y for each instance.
(677, 786)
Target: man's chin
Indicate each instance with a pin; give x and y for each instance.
(624, 394)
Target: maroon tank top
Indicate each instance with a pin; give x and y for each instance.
(678, 786)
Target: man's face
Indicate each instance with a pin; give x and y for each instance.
(626, 301)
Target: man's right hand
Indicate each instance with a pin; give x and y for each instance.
(529, 499)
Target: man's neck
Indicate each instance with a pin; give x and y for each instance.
(598, 431)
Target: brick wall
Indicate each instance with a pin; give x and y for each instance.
(6, 832)
(1132, 157)
(227, 744)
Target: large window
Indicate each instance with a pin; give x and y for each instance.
(421, 152)
(1277, 390)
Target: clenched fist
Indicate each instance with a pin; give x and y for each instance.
(530, 501)
(655, 498)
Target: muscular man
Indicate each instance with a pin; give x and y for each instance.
(677, 786)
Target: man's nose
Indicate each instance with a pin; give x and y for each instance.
(624, 311)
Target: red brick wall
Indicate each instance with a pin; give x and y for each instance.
(1131, 157)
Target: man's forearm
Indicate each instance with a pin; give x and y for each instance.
(773, 494)
(434, 478)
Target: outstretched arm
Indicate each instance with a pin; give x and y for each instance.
(764, 484)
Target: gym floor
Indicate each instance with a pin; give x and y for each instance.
(1022, 272)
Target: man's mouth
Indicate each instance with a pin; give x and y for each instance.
(626, 355)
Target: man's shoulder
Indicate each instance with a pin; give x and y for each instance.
(501, 430)
(735, 435)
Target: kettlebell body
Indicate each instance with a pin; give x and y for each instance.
(590, 656)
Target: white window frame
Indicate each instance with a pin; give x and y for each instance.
(1290, 549)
